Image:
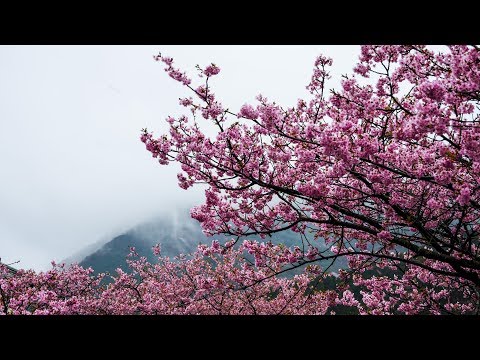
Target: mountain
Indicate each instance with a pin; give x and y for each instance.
(177, 234)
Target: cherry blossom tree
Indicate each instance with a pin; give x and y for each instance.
(384, 171)
(213, 280)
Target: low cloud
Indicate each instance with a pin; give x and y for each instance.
(73, 168)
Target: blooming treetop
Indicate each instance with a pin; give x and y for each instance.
(386, 169)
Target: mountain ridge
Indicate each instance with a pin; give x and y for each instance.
(177, 234)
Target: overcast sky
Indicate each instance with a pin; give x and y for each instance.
(73, 170)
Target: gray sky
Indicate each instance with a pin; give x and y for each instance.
(73, 170)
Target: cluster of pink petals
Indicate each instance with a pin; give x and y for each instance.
(385, 167)
(213, 280)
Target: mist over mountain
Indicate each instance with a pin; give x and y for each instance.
(177, 233)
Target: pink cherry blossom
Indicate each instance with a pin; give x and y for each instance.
(386, 169)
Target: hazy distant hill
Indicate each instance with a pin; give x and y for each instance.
(177, 233)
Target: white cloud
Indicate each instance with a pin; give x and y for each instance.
(73, 168)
